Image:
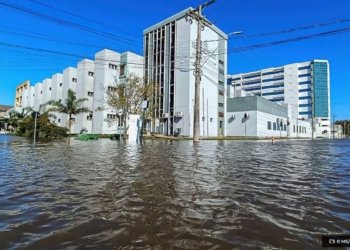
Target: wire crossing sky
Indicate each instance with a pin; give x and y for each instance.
(274, 33)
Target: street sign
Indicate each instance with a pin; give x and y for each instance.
(144, 104)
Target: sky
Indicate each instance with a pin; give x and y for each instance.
(90, 26)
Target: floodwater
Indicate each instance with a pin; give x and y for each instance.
(173, 195)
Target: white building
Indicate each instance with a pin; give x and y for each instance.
(169, 51)
(69, 82)
(110, 68)
(254, 116)
(304, 86)
(57, 86)
(90, 80)
(85, 89)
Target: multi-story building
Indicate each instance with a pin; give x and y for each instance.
(57, 86)
(19, 90)
(85, 90)
(305, 87)
(90, 80)
(169, 54)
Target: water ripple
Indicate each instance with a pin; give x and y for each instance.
(218, 195)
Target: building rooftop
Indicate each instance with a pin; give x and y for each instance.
(178, 16)
(256, 103)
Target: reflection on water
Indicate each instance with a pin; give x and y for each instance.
(217, 194)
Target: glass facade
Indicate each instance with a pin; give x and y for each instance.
(320, 86)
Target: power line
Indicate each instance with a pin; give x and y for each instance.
(68, 23)
(295, 39)
(290, 30)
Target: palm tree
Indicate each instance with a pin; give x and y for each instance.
(15, 117)
(71, 106)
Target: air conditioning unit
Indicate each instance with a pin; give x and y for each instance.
(178, 114)
(165, 115)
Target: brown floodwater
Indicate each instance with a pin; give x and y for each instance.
(173, 195)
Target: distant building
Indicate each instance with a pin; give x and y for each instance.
(169, 53)
(19, 90)
(305, 87)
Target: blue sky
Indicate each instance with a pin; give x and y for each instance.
(127, 19)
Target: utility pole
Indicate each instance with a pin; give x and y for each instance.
(201, 22)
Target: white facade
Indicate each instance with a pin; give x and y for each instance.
(89, 80)
(57, 87)
(304, 86)
(253, 116)
(85, 89)
(69, 82)
(169, 58)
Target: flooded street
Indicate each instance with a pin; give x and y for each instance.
(217, 194)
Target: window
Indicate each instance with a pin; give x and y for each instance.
(221, 104)
(269, 125)
(221, 83)
(274, 126)
(91, 73)
(41, 92)
(221, 114)
(285, 127)
(122, 70)
(111, 89)
(50, 88)
(61, 84)
(89, 117)
(74, 79)
(113, 66)
(111, 116)
(221, 92)
(59, 120)
(90, 93)
(221, 62)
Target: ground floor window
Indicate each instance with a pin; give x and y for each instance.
(269, 125)
(274, 126)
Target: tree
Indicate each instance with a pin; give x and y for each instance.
(127, 95)
(15, 117)
(71, 106)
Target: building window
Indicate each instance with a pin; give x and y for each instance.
(113, 66)
(122, 70)
(91, 73)
(111, 116)
(41, 92)
(61, 84)
(90, 93)
(59, 120)
(285, 127)
(221, 114)
(74, 79)
(274, 126)
(112, 89)
(221, 83)
(89, 117)
(50, 88)
(221, 104)
(221, 92)
(269, 125)
(221, 62)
